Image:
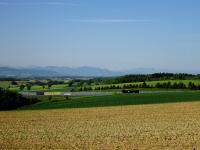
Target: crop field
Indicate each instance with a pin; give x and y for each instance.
(158, 126)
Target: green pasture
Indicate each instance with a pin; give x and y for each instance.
(114, 100)
(4, 84)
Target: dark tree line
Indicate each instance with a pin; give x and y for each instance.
(164, 85)
(144, 78)
(12, 100)
(153, 77)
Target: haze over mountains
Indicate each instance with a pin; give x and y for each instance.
(79, 71)
(66, 71)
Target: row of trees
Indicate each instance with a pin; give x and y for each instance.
(164, 85)
(143, 78)
(158, 77)
(12, 100)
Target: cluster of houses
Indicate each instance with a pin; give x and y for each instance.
(39, 93)
(45, 93)
(27, 94)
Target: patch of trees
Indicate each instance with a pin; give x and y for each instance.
(29, 84)
(54, 82)
(21, 87)
(169, 85)
(70, 83)
(192, 86)
(12, 100)
(14, 83)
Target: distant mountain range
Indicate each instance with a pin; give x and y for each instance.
(66, 71)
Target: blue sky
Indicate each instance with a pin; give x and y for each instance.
(113, 34)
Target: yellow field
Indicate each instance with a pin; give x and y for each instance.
(165, 126)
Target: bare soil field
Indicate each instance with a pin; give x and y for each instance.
(158, 126)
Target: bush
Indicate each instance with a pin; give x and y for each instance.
(50, 98)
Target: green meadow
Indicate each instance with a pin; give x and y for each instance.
(157, 95)
(57, 87)
(4, 84)
(114, 100)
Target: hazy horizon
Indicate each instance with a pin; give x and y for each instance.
(115, 35)
(136, 70)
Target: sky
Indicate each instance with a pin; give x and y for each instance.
(112, 34)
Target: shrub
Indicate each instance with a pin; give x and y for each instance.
(11, 100)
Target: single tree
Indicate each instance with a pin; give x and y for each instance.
(70, 83)
(28, 86)
(21, 87)
(50, 98)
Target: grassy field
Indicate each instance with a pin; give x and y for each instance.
(163, 126)
(58, 87)
(4, 84)
(115, 100)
